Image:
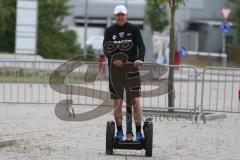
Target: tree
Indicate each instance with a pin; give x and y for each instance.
(236, 15)
(54, 39)
(235, 18)
(156, 15)
(174, 5)
(7, 25)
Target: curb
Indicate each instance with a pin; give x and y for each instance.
(214, 116)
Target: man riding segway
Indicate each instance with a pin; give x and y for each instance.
(128, 41)
(123, 45)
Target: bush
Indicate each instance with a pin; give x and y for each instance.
(234, 54)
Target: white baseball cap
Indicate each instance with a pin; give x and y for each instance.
(120, 9)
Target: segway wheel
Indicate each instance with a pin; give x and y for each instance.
(148, 132)
(110, 130)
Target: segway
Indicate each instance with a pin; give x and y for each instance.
(146, 143)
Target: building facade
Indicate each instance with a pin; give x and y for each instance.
(197, 23)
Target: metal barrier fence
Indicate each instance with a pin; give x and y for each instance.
(28, 82)
(220, 90)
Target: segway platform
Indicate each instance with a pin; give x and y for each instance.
(146, 143)
(128, 144)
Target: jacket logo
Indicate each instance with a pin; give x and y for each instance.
(121, 34)
(114, 37)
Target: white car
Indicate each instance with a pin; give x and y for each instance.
(95, 42)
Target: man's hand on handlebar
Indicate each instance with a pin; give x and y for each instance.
(118, 63)
(137, 63)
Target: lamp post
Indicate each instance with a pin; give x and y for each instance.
(85, 27)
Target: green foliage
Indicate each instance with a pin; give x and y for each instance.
(7, 25)
(54, 40)
(179, 3)
(235, 17)
(174, 4)
(156, 15)
(234, 54)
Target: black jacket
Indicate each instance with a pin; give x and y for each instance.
(126, 39)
